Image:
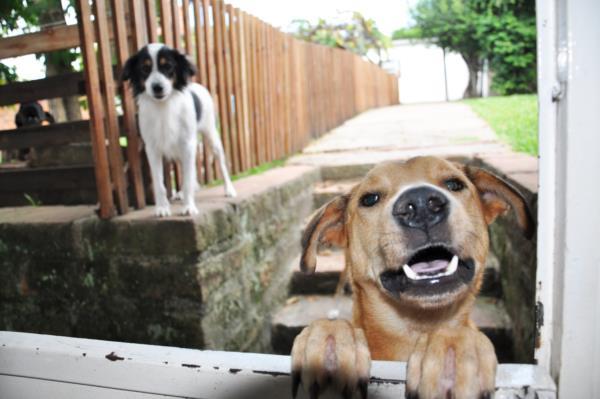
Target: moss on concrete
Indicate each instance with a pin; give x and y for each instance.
(210, 282)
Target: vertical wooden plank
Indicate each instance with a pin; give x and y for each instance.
(112, 123)
(244, 87)
(229, 74)
(187, 28)
(269, 92)
(200, 42)
(245, 117)
(166, 22)
(166, 26)
(97, 129)
(136, 25)
(264, 78)
(289, 101)
(276, 87)
(179, 45)
(209, 59)
(253, 97)
(151, 21)
(236, 62)
(133, 144)
(276, 90)
(176, 15)
(221, 78)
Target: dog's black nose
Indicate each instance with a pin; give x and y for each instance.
(421, 208)
(157, 88)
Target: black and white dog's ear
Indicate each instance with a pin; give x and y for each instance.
(129, 67)
(185, 67)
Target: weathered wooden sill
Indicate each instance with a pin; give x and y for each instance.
(34, 366)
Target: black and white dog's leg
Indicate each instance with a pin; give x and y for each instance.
(217, 148)
(190, 180)
(161, 207)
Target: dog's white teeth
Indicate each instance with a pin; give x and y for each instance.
(410, 272)
(452, 266)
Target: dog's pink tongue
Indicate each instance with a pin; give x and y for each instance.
(430, 267)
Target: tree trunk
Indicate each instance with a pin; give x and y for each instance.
(67, 108)
(474, 66)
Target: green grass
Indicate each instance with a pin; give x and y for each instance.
(251, 172)
(513, 118)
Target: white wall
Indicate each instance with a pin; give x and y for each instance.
(420, 66)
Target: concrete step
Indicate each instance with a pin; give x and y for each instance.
(330, 264)
(324, 280)
(327, 190)
(489, 315)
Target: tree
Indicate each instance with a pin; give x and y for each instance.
(502, 31)
(357, 34)
(508, 34)
(413, 32)
(454, 25)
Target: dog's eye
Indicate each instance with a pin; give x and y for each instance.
(454, 184)
(369, 199)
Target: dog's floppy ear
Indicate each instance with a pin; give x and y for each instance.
(185, 67)
(129, 67)
(498, 196)
(327, 226)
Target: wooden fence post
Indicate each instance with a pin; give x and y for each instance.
(110, 111)
(97, 128)
(133, 142)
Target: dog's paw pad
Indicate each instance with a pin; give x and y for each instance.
(162, 211)
(189, 210)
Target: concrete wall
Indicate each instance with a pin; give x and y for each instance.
(420, 67)
(208, 282)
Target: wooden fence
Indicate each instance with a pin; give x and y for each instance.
(274, 93)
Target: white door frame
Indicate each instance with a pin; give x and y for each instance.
(568, 286)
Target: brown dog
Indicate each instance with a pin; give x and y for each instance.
(416, 239)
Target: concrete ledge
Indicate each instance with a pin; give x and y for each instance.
(84, 368)
(204, 282)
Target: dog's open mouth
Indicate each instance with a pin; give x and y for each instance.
(431, 263)
(429, 271)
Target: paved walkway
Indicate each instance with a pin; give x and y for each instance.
(404, 131)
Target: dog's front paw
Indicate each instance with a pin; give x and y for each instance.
(452, 363)
(230, 191)
(177, 195)
(162, 211)
(331, 353)
(189, 209)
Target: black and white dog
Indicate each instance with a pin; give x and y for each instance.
(171, 112)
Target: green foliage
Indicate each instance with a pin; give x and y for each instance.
(502, 31)
(510, 44)
(354, 33)
(15, 14)
(7, 74)
(513, 118)
(408, 33)
(32, 201)
(22, 16)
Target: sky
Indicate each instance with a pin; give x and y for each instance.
(389, 15)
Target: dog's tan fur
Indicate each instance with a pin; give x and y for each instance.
(446, 354)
